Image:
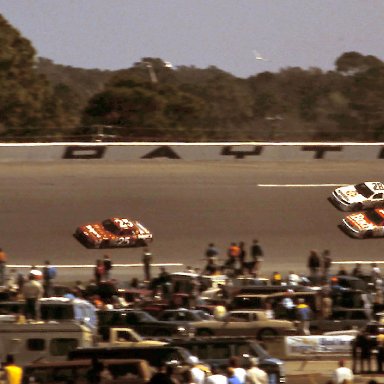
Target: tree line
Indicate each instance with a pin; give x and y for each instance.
(41, 100)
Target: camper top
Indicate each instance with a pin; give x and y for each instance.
(58, 309)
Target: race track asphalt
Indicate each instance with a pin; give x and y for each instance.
(185, 204)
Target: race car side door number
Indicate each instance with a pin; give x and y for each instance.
(123, 240)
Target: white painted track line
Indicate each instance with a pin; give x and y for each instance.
(298, 185)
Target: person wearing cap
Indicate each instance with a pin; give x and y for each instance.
(239, 372)
(304, 314)
(198, 375)
(255, 375)
(32, 292)
(342, 374)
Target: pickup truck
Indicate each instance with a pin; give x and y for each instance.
(140, 321)
(127, 337)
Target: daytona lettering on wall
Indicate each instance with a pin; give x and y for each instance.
(84, 152)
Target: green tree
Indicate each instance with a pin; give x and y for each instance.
(27, 105)
(364, 90)
(142, 107)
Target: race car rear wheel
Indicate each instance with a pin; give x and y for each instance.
(104, 244)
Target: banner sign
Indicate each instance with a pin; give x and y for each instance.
(304, 345)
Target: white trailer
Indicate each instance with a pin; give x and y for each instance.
(42, 341)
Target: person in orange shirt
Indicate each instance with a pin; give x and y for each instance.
(3, 263)
(233, 254)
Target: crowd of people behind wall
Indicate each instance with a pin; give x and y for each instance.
(237, 261)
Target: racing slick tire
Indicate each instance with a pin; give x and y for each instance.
(368, 234)
(266, 333)
(140, 243)
(358, 207)
(104, 244)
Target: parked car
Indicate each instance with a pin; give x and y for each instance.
(142, 322)
(250, 301)
(260, 327)
(217, 350)
(341, 319)
(184, 315)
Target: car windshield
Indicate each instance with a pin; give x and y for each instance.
(111, 227)
(375, 217)
(138, 316)
(144, 316)
(364, 190)
(181, 316)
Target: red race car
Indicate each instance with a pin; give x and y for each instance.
(113, 233)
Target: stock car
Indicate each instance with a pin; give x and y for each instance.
(366, 195)
(113, 233)
(365, 224)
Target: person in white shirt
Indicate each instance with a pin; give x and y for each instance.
(342, 374)
(198, 375)
(293, 278)
(217, 377)
(238, 371)
(255, 375)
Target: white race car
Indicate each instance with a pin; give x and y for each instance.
(364, 224)
(366, 195)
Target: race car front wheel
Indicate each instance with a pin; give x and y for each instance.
(141, 243)
(359, 207)
(368, 234)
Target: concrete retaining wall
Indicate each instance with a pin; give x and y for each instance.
(200, 151)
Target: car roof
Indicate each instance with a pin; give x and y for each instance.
(122, 347)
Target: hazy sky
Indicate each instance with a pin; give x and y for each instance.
(113, 34)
